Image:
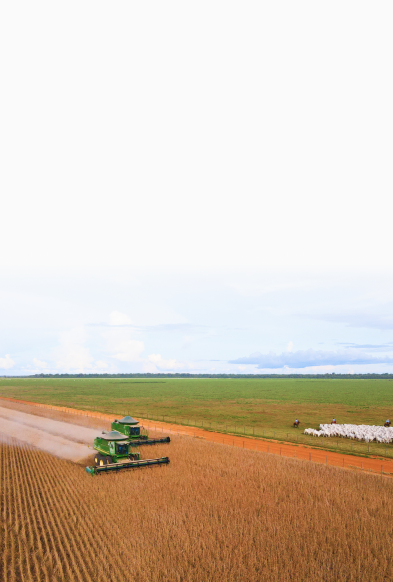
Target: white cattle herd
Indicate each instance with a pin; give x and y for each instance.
(362, 432)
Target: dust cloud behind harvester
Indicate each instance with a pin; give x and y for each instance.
(61, 439)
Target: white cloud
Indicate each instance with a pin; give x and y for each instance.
(7, 362)
(311, 358)
(101, 364)
(72, 355)
(350, 318)
(129, 351)
(40, 364)
(290, 347)
(76, 358)
(117, 318)
(155, 362)
(120, 344)
(189, 339)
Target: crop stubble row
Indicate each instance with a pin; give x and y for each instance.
(214, 513)
(49, 533)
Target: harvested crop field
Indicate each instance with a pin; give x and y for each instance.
(215, 513)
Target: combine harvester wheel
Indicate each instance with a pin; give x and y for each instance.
(99, 460)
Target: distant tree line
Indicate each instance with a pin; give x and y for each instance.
(225, 376)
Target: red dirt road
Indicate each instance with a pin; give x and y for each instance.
(374, 465)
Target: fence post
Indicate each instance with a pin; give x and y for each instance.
(343, 461)
(381, 470)
(309, 457)
(280, 451)
(267, 448)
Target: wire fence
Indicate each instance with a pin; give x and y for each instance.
(327, 458)
(291, 435)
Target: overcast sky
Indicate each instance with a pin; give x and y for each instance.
(196, 187)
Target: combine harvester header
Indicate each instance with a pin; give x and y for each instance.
(136, 437)
(129, 465)
(113, 447)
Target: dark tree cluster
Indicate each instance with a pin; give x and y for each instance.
(385, 376)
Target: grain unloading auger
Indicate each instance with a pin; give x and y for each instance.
(136, 435)
(114, 454)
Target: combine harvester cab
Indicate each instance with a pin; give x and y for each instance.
(114, 452)
(136, 435)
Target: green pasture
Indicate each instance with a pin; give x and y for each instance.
(263, 407)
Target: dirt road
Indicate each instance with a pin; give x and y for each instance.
(61, 439)
(301, 452)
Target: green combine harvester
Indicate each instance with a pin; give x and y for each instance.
(114, 453)
(136, 435)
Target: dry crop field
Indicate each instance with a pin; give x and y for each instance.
(214, 514)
